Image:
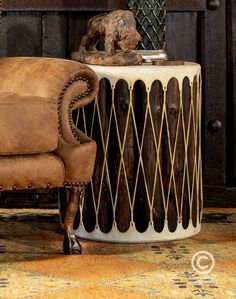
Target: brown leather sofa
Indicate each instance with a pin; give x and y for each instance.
(40, 147)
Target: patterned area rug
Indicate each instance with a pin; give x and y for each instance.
(32, 264)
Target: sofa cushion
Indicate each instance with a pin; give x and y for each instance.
(28, 124)
(31, 171)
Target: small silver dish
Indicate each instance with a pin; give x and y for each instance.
(150, 55)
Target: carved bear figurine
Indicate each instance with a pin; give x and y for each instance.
(118, 29)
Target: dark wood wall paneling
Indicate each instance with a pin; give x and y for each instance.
(91, 5)
(61, 5)
(62, 31)
(23, 33)
(181, 42)
(214, 96)
(47, 28)
(186, 5)
(193, 33)
(232, 64)
(231, 87)
(218, 68)
(54, 34)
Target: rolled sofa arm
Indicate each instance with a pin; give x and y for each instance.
(40, 76)
(68, 82)
(71, 85)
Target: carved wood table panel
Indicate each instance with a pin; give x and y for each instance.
(147, 183)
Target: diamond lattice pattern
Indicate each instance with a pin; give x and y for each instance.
(151, 22)
(148, 166)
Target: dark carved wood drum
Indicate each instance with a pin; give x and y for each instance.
(147, 183)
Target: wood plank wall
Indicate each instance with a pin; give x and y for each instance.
(91, 5)
(57, 33)
(51, 29)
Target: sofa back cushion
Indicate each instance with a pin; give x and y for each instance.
(28, 124)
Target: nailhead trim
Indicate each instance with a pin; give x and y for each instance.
(76, 99)
(48, 185)
(75, 184)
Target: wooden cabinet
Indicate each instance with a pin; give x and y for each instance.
(198, 30)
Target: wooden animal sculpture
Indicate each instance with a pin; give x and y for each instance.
(119, 31)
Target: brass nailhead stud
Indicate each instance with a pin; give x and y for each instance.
(29, 185)
(14, 187)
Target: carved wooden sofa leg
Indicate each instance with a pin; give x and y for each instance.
(71, 244)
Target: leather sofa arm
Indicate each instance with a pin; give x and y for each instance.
(79, 159)
(69, 83)
(79, 91)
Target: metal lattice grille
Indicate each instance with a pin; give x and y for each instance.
(151, 22)
(147, 175)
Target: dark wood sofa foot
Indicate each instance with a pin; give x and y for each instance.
(71, 244)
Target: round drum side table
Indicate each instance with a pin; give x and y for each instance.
(147, 183)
